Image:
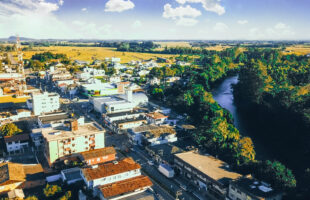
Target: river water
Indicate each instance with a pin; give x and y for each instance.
(223, 94)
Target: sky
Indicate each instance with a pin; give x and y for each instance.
(156, 19)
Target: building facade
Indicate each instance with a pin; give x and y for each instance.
(44, 103)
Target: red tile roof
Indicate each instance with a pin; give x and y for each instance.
(125, 186)
(109, 169)
(96, 153)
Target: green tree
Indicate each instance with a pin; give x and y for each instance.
(32, 198)
(51, 190)
(67, 196)
(9, 129)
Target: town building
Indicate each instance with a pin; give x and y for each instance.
(125, 188)
(17, 144)
(112, 172)
(156, 118)
(248, 187)
(164, 153)
(154, 81)
(152, 135)
(119, 103)
(208, 173)
(97, 156)
(45, 103)
(17, 176)
(94, 87)
(71, 138)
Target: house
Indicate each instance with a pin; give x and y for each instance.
(125, 188)
(208, 173)
(97, 156)
(71, 138)
(17, 144)
(124, 124)
(17, 176)
(115, 79)
(183, 63)
(156, 118)
(152, 135)
(143, 72)
(81, 62)
(44, 103)
(71, 176)
(16, 194)
(110, 172)
(247, 187)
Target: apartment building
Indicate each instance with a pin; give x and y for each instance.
(71, 138)
(156, 118)
(44, 103)
(97, 156)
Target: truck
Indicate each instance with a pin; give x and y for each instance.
(166, 170)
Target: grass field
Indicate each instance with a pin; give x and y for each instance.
(298, 49)
(92, 53)
(8, 99)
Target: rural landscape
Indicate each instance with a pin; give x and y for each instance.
(156, 108)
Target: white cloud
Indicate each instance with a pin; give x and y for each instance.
(137, 24)
(84, 9)
(220, 27)
(183, 16)
(180, 12)
(208, 5)
(242, 22)
(118, 5)
(61, 2)
(278, 32)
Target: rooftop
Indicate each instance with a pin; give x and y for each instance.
(156, 115)
(124, 113)
(11, 173)
(54, 117)
(65, 132)
(125, 186)
(98, 153)
(130, 120)
(251, 186)
(154, 130)
(168, 150)
(109, 169)
(19, 137)
(210, 166)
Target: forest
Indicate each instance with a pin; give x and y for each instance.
(280, 83)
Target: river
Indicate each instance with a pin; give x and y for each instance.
(223, 94)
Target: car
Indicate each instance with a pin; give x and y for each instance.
(150, 162)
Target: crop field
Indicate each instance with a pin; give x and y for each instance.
(298, 49)
(93, 53)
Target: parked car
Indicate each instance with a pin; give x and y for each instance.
(150, 162)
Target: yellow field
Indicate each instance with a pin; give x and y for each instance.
(8, 99)
(298, 49)
(92, 53)
(173, 44)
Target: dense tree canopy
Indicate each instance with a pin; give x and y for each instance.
(9, 129)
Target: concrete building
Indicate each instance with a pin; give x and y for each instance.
(156, 118)
(208, 173)
(152, 135)
(119, 103)
(71, 138)
(247, 187)
(17, 144)
(44, 103)
(94, 87)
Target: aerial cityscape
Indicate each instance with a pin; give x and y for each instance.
(154, 100)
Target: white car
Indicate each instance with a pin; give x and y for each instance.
(150, 162)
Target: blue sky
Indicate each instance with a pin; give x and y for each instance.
(156, 19)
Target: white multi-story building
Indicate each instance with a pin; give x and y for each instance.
(70, 139)
(44, 103)
(17, 144)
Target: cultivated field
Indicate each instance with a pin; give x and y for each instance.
(298, 49)
(93, 53)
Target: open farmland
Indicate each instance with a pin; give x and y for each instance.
(93, 53)
(298, 49)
